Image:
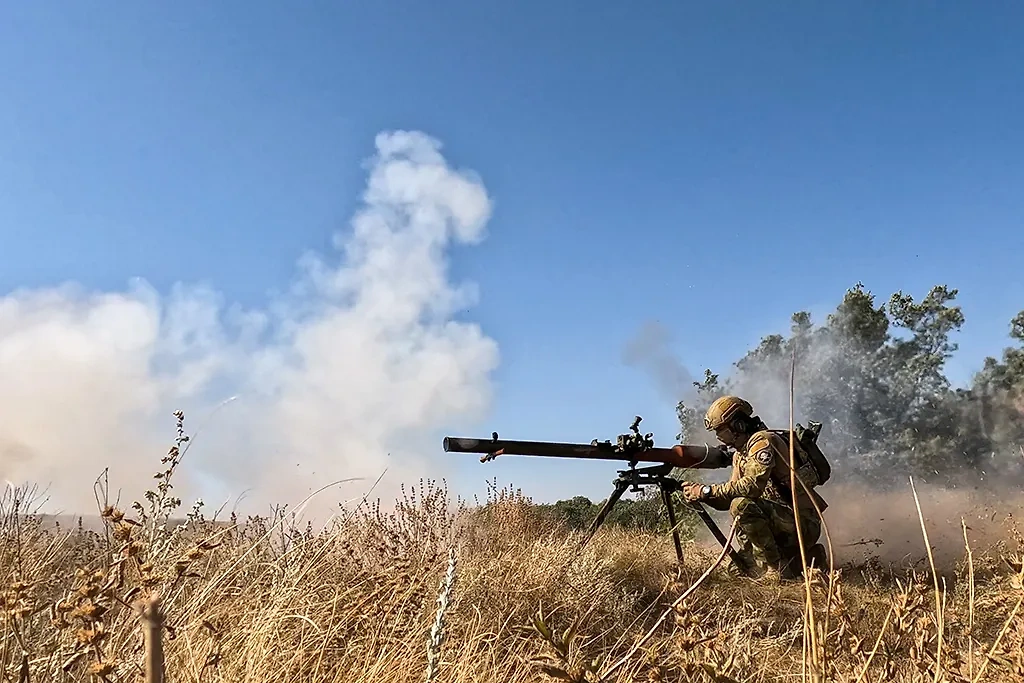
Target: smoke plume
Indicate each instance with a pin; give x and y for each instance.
(650, 350)
(351, 372)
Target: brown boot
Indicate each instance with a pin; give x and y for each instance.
(774, 565)
(747, 558)
(774, 576)
(790, 570)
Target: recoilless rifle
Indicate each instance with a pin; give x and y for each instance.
(633, 448)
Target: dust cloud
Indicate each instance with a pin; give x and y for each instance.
(349, 374)
(885, 525)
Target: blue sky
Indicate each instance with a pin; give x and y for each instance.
(644, 165)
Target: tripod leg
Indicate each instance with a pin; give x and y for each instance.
(666, 497)
(620, 488)
(719, 536)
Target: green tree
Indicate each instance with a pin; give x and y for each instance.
(995, 402)
(575, 512)
(874, 374)
(645, 512)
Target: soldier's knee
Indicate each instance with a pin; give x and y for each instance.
(745, 509)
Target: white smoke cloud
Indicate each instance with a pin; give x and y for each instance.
(352, 372)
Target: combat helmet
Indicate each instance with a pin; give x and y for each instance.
(724, 409)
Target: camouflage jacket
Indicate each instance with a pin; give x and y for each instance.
(761, 470)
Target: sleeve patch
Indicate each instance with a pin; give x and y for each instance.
(764, 457)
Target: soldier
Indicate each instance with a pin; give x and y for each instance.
(758, 492)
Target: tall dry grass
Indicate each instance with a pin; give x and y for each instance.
(433, 591)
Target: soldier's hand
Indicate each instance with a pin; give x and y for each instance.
(692, 491)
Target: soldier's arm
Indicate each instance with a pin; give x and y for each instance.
(722, 504)
(751, 484)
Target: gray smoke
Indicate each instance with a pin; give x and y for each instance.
(650, 350)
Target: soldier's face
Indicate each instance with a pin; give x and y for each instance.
(727, 436)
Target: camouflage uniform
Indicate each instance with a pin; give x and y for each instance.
(758, 496)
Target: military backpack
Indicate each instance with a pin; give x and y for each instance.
(807, 449)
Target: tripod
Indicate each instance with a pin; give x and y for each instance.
(633, 479)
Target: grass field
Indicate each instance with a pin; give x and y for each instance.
(491, 592)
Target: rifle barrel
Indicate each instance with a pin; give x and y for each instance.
(680, 455)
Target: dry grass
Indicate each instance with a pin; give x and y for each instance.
(482, 593)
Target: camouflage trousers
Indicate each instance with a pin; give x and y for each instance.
(767, 530)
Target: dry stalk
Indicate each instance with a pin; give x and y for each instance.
(153, 626)
(1004, 629)
(878, 642)
(437, 631)
(831, 553)
(678, 601)
(268, 533)
(23, 671)
(794, 480)
(815, 665)
(939, 612)
(970, 599)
